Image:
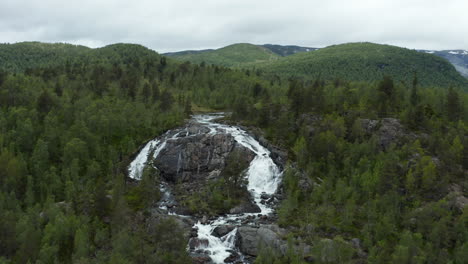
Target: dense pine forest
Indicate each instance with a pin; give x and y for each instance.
(376, 170)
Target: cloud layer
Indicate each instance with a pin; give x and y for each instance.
(172, 25)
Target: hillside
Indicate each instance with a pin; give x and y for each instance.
(367, 62)
(20, 56)
(102, 160)
(286, 50)
(32, 55)
(235, 55)
(186, 52)
(458, 58)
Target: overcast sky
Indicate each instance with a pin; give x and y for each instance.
(172, 25)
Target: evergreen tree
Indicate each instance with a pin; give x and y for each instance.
(454, 108)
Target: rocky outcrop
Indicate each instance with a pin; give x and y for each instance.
(456, 198)
(196, 242)
(278, 155)
(388, 131)
(189, 158)
(249, 239)
(157, 216)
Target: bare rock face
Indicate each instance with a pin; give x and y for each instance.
(199, 156)
(249, 238)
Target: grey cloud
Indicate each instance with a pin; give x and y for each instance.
(183, 24)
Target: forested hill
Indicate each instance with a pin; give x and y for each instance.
(377, 171)
(368, 62)
(286, 50)
(24, 56)
(350, 62)
(21, 56)
(68, 128)
(236, 55)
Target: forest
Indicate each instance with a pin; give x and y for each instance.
(70, 127)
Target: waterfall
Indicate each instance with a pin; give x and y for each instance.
(263, 176)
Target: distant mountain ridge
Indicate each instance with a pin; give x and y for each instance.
(364, 61)
(459, 58)
(281, 50)
(236, 55)
(288, 49)
(352, 61)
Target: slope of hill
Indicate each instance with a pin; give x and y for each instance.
(20, 56)
(286, 50)
(29, 55)
(367, 62)
(186, 52)
(458, 58)
(235, 55)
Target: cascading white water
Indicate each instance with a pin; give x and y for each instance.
(135, 169)
(263, 177)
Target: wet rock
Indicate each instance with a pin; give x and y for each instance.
(195, 242)
(246, 207)
(232, 258)
(265, 196)
(222, 230)
(200, 258)
(195, 128)
(194, 232)
(198, 157)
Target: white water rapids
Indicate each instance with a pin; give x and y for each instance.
(263, 176)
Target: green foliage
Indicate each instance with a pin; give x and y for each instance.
(146, 193)
(343, 184)
(71, 117)
(367, 62)
(223, 193)
(231, 56)
(27, 55)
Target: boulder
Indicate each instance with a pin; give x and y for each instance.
(198, 258)
(246, 207)
(232, 258)
(247, 240)
(250, 238)
(195, 242)
(222, 230)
